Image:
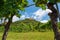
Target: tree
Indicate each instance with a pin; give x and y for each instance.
(53, 15)
(8, 9)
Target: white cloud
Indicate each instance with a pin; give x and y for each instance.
(27, 17)
(22, 17)
(48, 11)
(44, 21)
(39, 14)
(15, 18)
(42, 12)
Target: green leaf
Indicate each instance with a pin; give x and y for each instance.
(52, 1)
(18, 15)
(58, 1)
(34, 0)
(42, 6)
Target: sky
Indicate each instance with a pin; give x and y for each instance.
(35, 13)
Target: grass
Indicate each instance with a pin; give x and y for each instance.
(29, 36)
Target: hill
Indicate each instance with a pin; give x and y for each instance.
(25, 25)
(28, 25)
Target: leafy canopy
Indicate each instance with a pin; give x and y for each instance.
(42, 3)
(9, 7)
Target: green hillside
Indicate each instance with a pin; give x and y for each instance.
(25, 25)
(28, 25)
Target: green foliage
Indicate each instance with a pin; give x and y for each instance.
(59, 25)
(24, 25)
(41, 3)
(18, 15)
(58, 1)
(52, 1)
(11, 7)
(1, 3)
(42, 6)
(28, 25)
(1, 28)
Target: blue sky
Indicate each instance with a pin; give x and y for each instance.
(35, 13)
